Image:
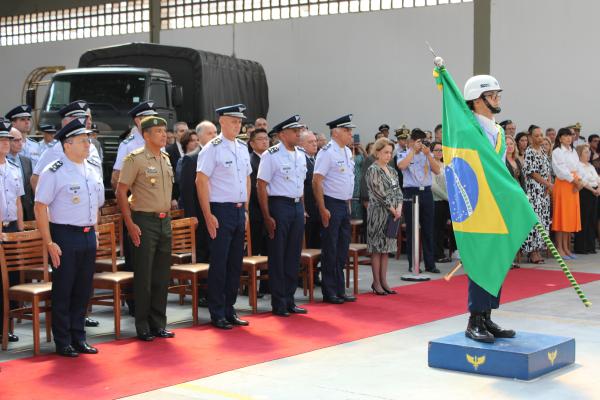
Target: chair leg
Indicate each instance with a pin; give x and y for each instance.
(355, 274)
(195, 299)
(311, 281)
(252, 289)
(117, 310)
(48, 322)
(348, 270)
(5, 326)
(35, 316)
(304, 278)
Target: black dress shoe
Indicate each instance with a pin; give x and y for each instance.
(496, 330)
(297, 310)
(348, 298)
(236, 321)
(433, 270)
(11, 337)
(203, 302)
(221, 323)
(91, 323)
(145, 336)
(333, 300)
(281, 313)
(476, 329)
(163, 333)
(68, 351)
(83, 347)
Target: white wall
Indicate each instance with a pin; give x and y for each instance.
(545, 55)
(374, 65)
(19, 61)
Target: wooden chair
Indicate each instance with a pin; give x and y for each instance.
(177, 214)
(252, 266)
(113, 279)
(105, 263)
(356, 226)
(24, 251)
(109, 210)
(355, 251)
(184, 242)
(309, 258)
(30, 225)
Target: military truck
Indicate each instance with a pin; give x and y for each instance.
(185, 85)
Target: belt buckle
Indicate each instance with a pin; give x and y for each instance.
(422, 188)
(296, 199)
(86, 229)
(5, 223)
(162, 215)
(238, 205)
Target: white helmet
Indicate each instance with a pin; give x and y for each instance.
(478, 84)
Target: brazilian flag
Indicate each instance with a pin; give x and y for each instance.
(491, 214)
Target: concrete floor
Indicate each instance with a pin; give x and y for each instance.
(394, 365)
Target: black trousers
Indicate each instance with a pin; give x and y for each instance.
(443, 235)
(284, 251)
(480, 300)
(334, 254)
(426, 217)
(226, 254)
(260, 246)
(13, 277)
(72, 282)
(585, 240)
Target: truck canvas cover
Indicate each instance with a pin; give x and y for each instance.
(209, 80)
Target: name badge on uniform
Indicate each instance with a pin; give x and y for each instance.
(228, 164)
(340, 165)
(74, 189)
(285, 170)
(152, 173)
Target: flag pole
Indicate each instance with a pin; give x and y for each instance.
(562, 264)
(450, 274)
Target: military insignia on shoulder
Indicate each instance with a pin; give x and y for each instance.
(328, 145)
(93, 162)
(273, 149)
(52, 143)
(128, 139)
(216, 141)
(301, 149)
(54, 167)
(137, 151)
(11, 162)
(240, 141)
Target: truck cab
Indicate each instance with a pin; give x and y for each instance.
(111, 92)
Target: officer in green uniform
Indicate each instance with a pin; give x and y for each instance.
(148, 174)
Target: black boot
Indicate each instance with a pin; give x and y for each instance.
(494, 329)
(476, 329)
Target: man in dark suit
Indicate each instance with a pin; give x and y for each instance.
(175, 152)
(26, 170)
(206, 131)
(308, 144)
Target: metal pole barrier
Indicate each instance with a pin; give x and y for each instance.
(416, 246)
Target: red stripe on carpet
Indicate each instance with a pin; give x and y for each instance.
(128, 367)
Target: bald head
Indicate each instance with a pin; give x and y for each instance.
(16, 144)
(206, 131)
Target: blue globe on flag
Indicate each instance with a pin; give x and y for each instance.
(463, 189)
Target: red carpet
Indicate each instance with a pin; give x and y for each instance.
(128, 367)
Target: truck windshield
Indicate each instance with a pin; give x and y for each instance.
(102, 91)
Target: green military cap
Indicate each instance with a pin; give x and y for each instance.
(151, 121)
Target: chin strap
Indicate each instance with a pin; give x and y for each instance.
(494, 110)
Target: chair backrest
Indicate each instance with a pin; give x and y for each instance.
(30, 225)
(184, 236)
(22, 251)
(107, 244)
(248, 239)
(177, 214)
(117, 220)
(109, 209)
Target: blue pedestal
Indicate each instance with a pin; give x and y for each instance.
(527, 356)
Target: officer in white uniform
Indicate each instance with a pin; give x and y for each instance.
(280, 187)
(69, 194)
(135, 140)
(11, 212)
(333, 186)
(48, 130)
(223, 185)
(21, 119)
(77, 109)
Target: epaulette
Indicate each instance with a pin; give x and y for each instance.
(216, 141)
(301, 149)
(328, 145)
(52, 143)
(54, 167)
(34, 141)
(93, 162)
(273, 149)
(240, 141)
(11, 162)
(133, 154)
(128, 139)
